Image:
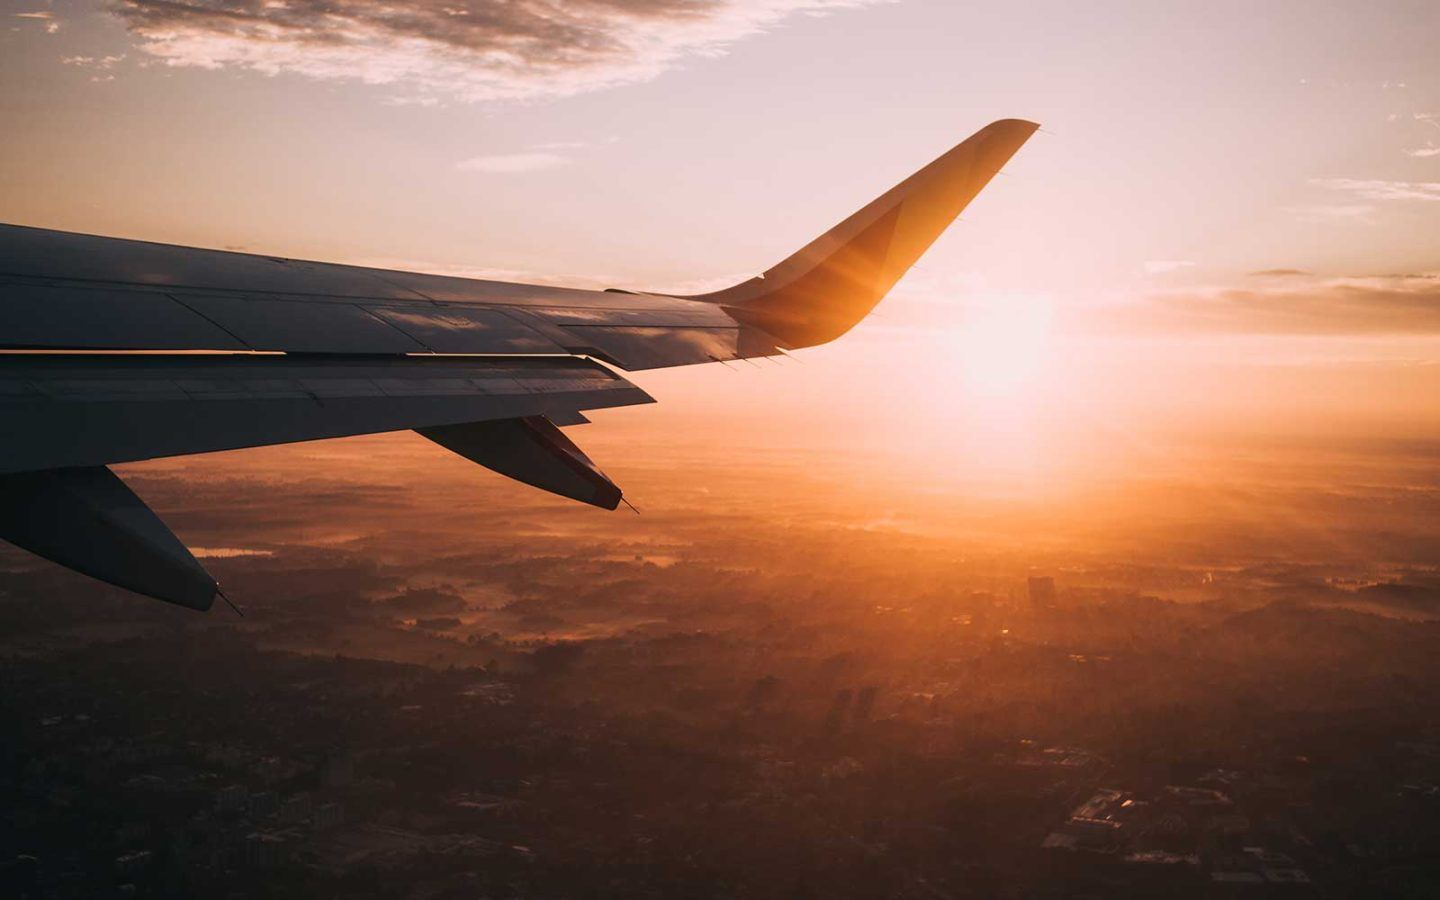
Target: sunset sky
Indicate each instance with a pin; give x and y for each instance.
(1231, 219)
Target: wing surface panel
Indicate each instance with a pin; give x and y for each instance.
(34, 316)
(66, 291)
(461, 329)
(301, 326)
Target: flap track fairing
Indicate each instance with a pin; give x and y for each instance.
(87, 519)
(532, 450)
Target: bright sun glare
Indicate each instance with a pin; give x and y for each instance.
(987, 390)
(1001, 349)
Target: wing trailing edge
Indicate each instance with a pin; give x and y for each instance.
(61, 411)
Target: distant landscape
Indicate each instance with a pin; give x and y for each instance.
(770, 683)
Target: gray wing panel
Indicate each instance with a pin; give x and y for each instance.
(90, 319)
(462, 329)
(638, 347)
(299, 326)
(694, 315)
(70, 316)
(67, 291)
(41, 253)
(58, 411)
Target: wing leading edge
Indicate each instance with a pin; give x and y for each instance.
(242, 350)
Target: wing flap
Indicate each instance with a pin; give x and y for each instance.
(63, 411)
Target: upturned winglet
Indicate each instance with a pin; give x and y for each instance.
(832, 283)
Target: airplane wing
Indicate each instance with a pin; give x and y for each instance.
(116, 350)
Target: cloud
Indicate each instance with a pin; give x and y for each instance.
(93, 62)
(52, 25)
(468, 50)
(1279, 273)
(1430, 149)
(1382, 191)
(1296, 304)
(549, 155)
(511, 163)
(1161, 266)
(1360, 213)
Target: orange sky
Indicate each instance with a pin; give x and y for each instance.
(1228, 226)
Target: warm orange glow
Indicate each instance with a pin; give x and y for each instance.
(1002, 349)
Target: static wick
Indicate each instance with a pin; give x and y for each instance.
(720, 361)
(629, 504)
(790, 356)
(238, 611)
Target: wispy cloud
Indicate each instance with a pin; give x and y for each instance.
(1296, 304)
(1424, 118)
(1382, 191)
(547, 155)
(511, 163)
(1162, 266)
(93, 62)
(1354, 213)
(467, 50)
(52, 24)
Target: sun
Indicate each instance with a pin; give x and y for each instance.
(1001, 348)
(984, 384)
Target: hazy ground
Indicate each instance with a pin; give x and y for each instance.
(728, 522)
(807, 668)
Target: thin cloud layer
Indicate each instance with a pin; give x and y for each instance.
(1378, 190)
(469, 50)
(1392, 304)
(52, 25)
(513, 163)
(1164, 266)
